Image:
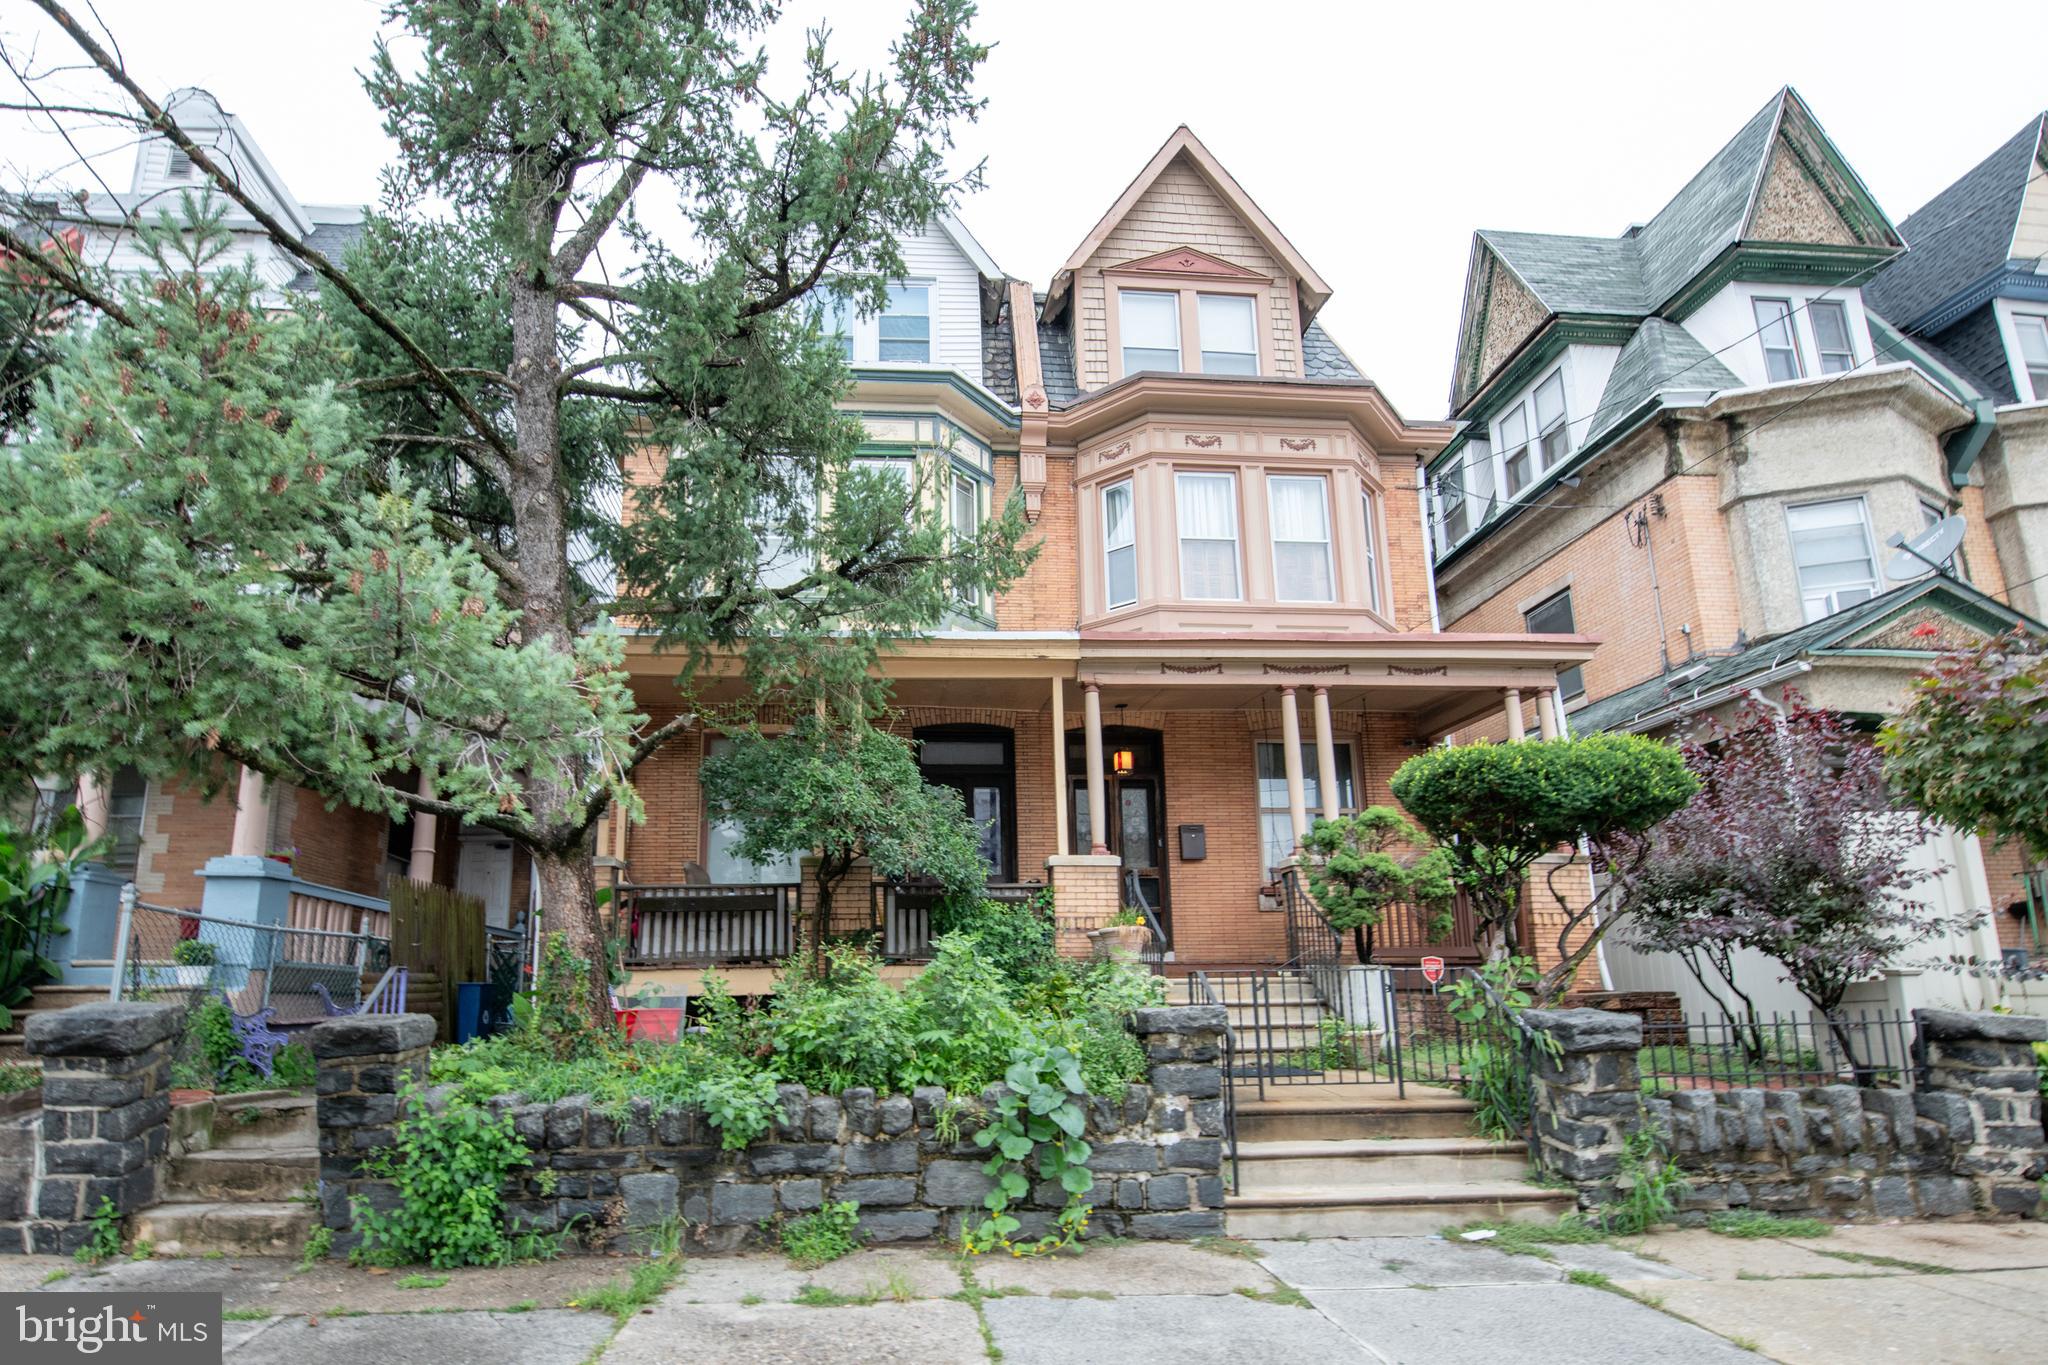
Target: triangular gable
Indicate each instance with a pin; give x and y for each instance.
(1183, 144)
(1932, 616)
(1186, 261)
(1808, 192)
(1500, 312)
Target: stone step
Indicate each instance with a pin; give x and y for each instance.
(265, 1118)
(1241, 993)
(1378, 1161)
(1301, 1114)
(233, 1229)
(13, 1047)
(59, 997)
(1396, 1210)
(247, 1174)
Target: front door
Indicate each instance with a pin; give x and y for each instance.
(483, 868)
(979, 762)
(1135, 789)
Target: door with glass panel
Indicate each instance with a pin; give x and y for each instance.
(979, 762)
(1134, 789)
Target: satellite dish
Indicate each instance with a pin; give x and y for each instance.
(1932, 549)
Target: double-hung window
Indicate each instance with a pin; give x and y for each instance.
(966, 516)
(127, 801)
(1119, 545)
(2033, 334)
(1831, 335)
(1149, 323)
(1554, 432)
(1454, 518)
(1553, 616)
(780, 519)
(1276, 827)
(1300, 509)
(1372, 552)
(1229, 333)
(906, 323)
(1515, 453)
(1207, 508)
(1832, 552)
(837, 323)
(1780, 341)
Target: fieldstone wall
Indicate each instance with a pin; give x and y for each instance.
(1969, 1141)
(916, 1173)
(104, 1128)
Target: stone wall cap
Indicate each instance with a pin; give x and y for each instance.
(107, 1029)
(1182, 1019)
(1588, 1030)
(361, 1035)
(1994, 1028)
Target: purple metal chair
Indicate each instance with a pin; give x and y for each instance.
(387, 998)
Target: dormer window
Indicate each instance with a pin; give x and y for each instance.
(1781, 343)
(906, 324)
(1554, 431)
(1229, 334)
(1515, 452)
(1150, 325)
(2033, 334)
(1831, 335)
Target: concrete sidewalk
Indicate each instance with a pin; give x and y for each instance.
(1921, 1293)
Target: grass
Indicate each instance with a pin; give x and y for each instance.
(1531, 1239)
(1756, 1223)
(1591, 1278)
(246, 1315)
(643, 1286)
(972, 1294)
(1284, 1294)
(1102, 1294)
(1890, 1262)
(1226, 1246)
(319, 1245)
(819, 1296)
(1746, 1344)
(422, 1281)
(56, 1275)
(523, 1306)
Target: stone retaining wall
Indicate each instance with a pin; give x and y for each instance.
(1968, 1141)
(1158, 1150)
(104, 1128)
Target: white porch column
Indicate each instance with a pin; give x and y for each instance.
(426, 833)
(251, 835)
(1326, 756)
(1059, 766)
(1098, 815)
(1512, 697)
(1290, 743)
(93, 805)
(1546, 713)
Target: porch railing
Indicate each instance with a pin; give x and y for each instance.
(711, 925)
(900, 913)
(333, 911)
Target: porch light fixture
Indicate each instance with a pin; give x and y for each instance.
(1123, 760)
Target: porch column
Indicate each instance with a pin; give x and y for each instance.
(1098, 815)
(1290, 744)
(1546, 713)
(93, 803)
(1512, 696)
(426, 833)
(251, 835)
(1557, 713)
(1059, 767)
(1326, 756)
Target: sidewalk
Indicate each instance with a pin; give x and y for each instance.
(1929, 1293)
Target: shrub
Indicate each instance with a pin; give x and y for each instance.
(192, 952)
(826, 1235)
(963, 1026)
(448, 1170)
(1358, 865)
(841, 1028)
(1015, 938)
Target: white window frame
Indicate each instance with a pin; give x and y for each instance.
(1561, 428)
(1847, 352)
(1372, 549)
(1236, 527)
(1202, 353)
(1830, 597)
(1526, 448)
(1791, 322)
(1311, 782)
(931, 322)
(2036, 375)
(1273, 534)
(1123, 340)
(1128, 488)
(959, 480)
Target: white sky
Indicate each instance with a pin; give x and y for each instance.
(1377, 137)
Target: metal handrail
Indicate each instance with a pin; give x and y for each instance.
(1134, 899)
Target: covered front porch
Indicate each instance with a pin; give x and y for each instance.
(1210, 755)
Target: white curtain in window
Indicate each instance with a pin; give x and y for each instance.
(1301, 538)
(1119, 540)
(1207, 506)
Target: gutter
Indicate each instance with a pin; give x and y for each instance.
(1700, 701)
(1962, 447)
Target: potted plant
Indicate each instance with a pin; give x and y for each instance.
(1126, 936)
(194, 961)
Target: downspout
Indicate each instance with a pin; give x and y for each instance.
(1963, 446)
(1436, 624)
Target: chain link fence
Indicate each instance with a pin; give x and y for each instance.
(302, 974)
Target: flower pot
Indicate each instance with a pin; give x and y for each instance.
(190, 977)
(1119, 942)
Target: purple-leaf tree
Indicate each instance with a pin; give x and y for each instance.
(1791, 847)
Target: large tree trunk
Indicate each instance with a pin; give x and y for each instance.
(568, 902)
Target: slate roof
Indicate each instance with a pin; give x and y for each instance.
(1661, 355)
(1828, 634)
(330, 240)
(1323, 358)
(999, 357)
(1574, 274)
(1960, 235)
(1056, 360)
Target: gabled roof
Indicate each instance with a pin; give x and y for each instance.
(1661, 357)
(1183, 143)
(1323, 358)
(1573, 274)
(1961, 234)
(956, 230)
(1860, 629)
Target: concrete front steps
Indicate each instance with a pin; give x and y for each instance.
(1362, 1161)
(235, 1181)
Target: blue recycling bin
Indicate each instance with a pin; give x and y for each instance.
(469, 1009)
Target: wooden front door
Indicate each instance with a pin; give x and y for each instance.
(1136, 797)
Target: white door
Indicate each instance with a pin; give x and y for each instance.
(483, 869)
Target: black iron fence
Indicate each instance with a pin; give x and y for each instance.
(1780, 1051)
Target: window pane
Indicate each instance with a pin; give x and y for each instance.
(838, 322)
(1150, 327)
(1550, 419)
(127, 796)
(1119, 539)
(1301, 538)
(724, 866)
(1831, 334)
(1514, 427)
(1519, 470)
(1831, 551)
(1118, 523)
(2034, 352)
(1207, 508)
(1229, 343)
(1123, 576)
(966, 507)
(1514, 445)
(1774, 329)
(960, 753)
(906, 324)
(1372, 554)
(1551, 618)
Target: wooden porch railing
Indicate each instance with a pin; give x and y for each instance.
(901, 913)
(338, 912)
(710, 925)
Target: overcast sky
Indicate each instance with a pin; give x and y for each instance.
(1378, 137)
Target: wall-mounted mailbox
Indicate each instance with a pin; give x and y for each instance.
(1194, 843)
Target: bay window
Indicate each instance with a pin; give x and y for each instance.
(1229, 333)
(1300, 514)
(1206, 506)
(1832, 551)
(1119, 545)
(1150, 325)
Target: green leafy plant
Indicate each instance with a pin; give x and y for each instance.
(448, 1170)
(319, 1246)
(421, 1281)
(1494, 1069)
(1359, 865)
(1754, 1223)
(1338, 1047)
(35, 887)
(192, 952)
(16, 1077)
(1016, 938)
(646, 1283)
(1129, 917)
(1039, 1119)
(1648, 1185)
(823, 1235)
(104, 1242)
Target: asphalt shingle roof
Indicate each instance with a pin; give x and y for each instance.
(331, 240)
(1661, 355)
(1056, 360)
(1574, 274)
(1960, 235)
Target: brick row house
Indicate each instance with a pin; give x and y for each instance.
(1701, 440)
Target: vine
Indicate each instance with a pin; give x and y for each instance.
(1038, 1115)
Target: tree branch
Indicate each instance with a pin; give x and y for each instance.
(66, 280)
